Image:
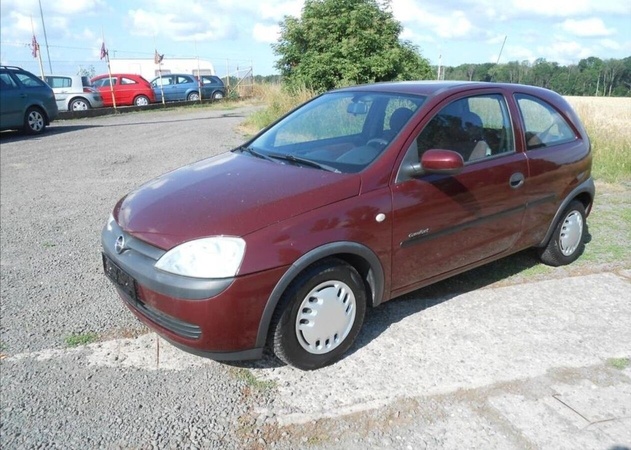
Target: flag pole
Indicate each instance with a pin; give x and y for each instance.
(106, 54)
(36, 51)
(157, 59)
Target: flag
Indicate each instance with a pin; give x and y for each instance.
(104, 51)
(157, 58)
(35, 47)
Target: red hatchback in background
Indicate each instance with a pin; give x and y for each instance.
(129, 89)
(358, 196)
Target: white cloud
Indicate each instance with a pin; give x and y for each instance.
(276, 10)
(593, 27)
(266, 33)
(610, 44)
(189, 27)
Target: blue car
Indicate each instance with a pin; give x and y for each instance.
(26, 102)
(181, 87)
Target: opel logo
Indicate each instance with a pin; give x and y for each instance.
(119, 246)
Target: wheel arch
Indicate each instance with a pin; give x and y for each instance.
(584, 193)
(364, 260)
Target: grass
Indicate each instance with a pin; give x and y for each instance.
(277, 101)
(251, 381)
(75, 340)
(607, 122)
(619, 363)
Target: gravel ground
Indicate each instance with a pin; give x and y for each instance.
(538, 365)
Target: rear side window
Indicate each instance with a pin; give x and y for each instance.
(59, 82)
(29, 80)
(128, 81)
(544, 126)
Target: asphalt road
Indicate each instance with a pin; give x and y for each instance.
(533, 365)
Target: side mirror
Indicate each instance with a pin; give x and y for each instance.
(440, 161)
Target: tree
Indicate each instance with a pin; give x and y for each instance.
(342, 42)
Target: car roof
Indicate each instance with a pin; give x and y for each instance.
(431, 88)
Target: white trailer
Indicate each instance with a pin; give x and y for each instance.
(149, 69)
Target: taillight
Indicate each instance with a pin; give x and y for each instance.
(89, 89)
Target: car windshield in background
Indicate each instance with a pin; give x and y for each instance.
(339, 131)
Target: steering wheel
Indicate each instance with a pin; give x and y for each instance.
(377, 142)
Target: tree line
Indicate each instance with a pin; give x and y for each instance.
(590, 77)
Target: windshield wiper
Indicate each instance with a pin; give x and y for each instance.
(253, 152)
(303, 161)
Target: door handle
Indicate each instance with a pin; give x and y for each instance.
(516, 180)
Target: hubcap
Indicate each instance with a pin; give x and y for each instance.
(79, 106)
(325, 317)
(35, 121)
(142, 101)
(571, 233)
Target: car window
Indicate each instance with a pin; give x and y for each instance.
(59, 82)
(85, 81)
(29, 80)
(6, 82)
(342, 130)
(211, 80)
(183, 80)
(543, 125)
(105, 82)
(128, 81)
(477, 127)
(325, 120)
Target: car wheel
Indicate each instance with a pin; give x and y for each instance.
(141, 100)
(79, 104)
(193, 97)
(34, 121)
(319, 315)
(217, 95)
(568, 240)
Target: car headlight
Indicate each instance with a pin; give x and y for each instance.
(213, 257)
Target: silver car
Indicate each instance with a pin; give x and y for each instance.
(74, 92)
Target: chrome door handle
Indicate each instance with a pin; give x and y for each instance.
(516, 180)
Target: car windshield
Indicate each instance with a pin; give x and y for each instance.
(338, 131)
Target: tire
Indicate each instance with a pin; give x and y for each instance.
(193, 97)
(141, 100)
(568, 239)
(34, 120)
(79, 104)
(319, 316)
(217, 95)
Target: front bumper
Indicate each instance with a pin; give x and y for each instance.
(219, 318)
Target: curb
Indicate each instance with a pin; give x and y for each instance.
(96, 112)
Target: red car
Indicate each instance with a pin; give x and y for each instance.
(357, 197)
(129, 89)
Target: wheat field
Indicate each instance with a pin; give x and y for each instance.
(608, 123)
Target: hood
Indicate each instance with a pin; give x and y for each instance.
(230, 194)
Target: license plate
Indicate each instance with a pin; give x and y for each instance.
(119, 277)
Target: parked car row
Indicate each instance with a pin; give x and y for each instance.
(30, 104)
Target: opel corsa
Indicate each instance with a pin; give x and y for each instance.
(356, 197)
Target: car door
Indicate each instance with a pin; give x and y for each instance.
(444, 223)
(61, 87)
(167, 87)
(181, 87)
(11, 102)
(103, 85)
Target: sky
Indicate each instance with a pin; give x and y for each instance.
(236, 34)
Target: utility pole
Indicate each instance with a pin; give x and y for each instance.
(41, 13)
